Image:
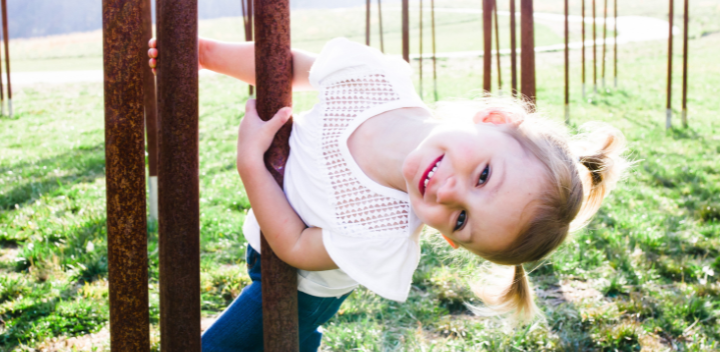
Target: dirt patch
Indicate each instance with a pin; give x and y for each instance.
(569, 291)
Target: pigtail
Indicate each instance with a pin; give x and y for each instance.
(600, 165)
(500, 296)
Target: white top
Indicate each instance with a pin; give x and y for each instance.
(369, 230)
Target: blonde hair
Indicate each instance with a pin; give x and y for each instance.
(579, 172)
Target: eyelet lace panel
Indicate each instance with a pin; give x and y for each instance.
(359, 211)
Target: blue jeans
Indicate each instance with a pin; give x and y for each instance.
(240, 327)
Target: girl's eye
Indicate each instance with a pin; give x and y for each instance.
(484, 175)
(460, 220)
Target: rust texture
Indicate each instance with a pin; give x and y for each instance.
(380, 30)
(685, 63)
(406, 30)
(420, 49)
(487, 45)
(150, 102)
(177, 78)
(247, 12)
(527, 50)
(497, 45)
(432, 16)
(367, 22)
(594, 47)
(567, 55)
(582, 14)
(6, 37)
(123, 62)
(274, 71)
(604, 48)
(513, 50)
(670, 51)
(615, 53)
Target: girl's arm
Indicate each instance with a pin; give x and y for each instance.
(288, 236)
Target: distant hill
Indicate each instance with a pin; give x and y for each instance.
(35, 18)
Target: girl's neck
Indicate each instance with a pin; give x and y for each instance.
(381, 144)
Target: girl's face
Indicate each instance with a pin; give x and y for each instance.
(474, 183)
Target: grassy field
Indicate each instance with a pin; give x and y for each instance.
(643, 275)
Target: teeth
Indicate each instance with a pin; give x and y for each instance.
(426, 182)
(431, 173)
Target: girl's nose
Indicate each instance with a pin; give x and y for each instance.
(449, 192)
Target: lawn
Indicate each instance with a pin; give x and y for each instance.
(642, 275)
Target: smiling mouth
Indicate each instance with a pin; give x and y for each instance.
(428, 174)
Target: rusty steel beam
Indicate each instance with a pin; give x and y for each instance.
(604, 49)
(177, 78)
(527, 51)
(567, 63)
(668, 107)
(247, 12)
(615, 52)
(487, 45)
(513, 50)
(594, 47)
(6, 37)
(406, 30)
(382, 42)
(685, 63)
(367, 22)
(151, 121)
(497, 45)
(420, 49)
(2, 91)
(124, 58)
(432, 17)
(582, 14)
(274, 71)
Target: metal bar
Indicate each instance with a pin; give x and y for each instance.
(487, 45)
(594, 48)
(513, 50)
(685, 63)
(151, 120)
(432, 16)
(273, 71)
(2, 91)
(247, 10)
(7, 55)
(382, 42)
(420, 59)
(615, 60)
(367, 22)
(527, 51)
(567, 64)
(668, 107)
(177, 84)
(604, 42)
(583, 47)
(497, 46)
(406, 30)
(124, 58)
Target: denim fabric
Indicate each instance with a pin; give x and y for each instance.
(239, 328)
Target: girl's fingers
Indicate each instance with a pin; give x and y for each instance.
(152, 43)
(153, 63)
(280, 118)
(153, 53)
(250, 107)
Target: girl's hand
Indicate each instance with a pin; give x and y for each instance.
(256, 135)
(153, 54)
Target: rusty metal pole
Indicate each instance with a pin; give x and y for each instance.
(582, 14)
(274, 71)
(367, 22)
(487, 45)
(247, 10)
(406, 30)
(151, 121)
(382, 42)
(6, 37)
(177, 78)
(497, 46)
(567, 64)
(594, 48)
(615, 60)
(685, 64)
(513, 50)
(2, 91)
(527, 51)
(124, 58)
(420, 48)
(432, 16)
(604, 42)
(668, 108)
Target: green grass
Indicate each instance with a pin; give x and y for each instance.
(651, 253)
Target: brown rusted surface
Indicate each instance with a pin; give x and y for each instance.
(380, 30)
(124, 58)
(594, 47)
(177, 78)
(247, 12)
(615, 52)
(513, 50)
(497, 45)
(150, 101)
(604, 48)
(406, 30)
(567, 55)
(582, 13)
(487, 45)
(670, 52)
(420, 49)
(6, 37)
(685, 63)
(432, 16)
(274, 72)
(527, 50)
(367, 22)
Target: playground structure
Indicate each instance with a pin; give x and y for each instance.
(6, 40)
(171, 122)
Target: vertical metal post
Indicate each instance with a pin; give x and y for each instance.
(367, 22)
(615, 60)
(151, 121)
(274, 71)
(567, 64)
(527, 50)
(497, 46)
(668, 107)
(432, 16)
(406, 30)
(594, 47)
(382, 42)
(604, 42)
(6, 37)
(177, 78)
(2, 91)
(420, 48)
(513, 50)
(583, 47)
(247, 10)
(685, 64)
(487, 45)
(124, 58)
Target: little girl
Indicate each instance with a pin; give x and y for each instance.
(369, 165)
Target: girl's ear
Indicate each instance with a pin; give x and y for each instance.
(496, 117)
(452, 244)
